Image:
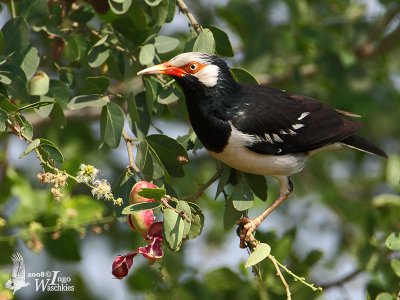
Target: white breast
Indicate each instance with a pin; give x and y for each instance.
(238, 156)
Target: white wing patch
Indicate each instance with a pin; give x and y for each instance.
(297, 126)
(276, 138)
(303, 115)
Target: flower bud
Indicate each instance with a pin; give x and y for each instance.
(122, 264)
(154, 231)
(154, 250)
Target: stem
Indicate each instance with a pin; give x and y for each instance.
(192, 21)
(204, 186)
(279, 273)
(132, 165)
(301, 279)
(13, 11)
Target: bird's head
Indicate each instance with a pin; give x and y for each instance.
(206, 68)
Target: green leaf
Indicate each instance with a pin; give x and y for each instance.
(3, 119)
(173, 229)
(141, 128)
(197, 223)
(393, 171)
(35, 105)
(45, 106)
(35, 143)
(111, 124)
(30, 62)
(98, 55)
(144, 160)
(35, 12)
(223, 180)
(39, 84)
(119, 7)
(386, 200)
(243, 76)
(60, 92)
(385, 296)
(5, 77)
(231, 215)
(395, 264)
(95, 85)
(82, 101)
(204, 42)
(223, 46)
(260, 253)
(393, 241)
(183, 207)
(147, 54)
(16, 36)
(50, 152)
(242, 197)
(152, 2)
(164, 44)
(24, 125)
(169, 152)
(132, 109)
(139, 207)
(152, 193)
(168, 96)
(258, 185)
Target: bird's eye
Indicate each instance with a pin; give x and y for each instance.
(193, 67)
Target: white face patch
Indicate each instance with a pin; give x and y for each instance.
(208, 75)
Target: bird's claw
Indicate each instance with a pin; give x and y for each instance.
(247, 227)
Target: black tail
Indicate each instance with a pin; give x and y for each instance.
(359, 143)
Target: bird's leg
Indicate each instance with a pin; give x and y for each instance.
(250, 225)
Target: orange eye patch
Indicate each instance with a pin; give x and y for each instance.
(192, 67)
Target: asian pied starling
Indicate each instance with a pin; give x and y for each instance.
(256, 129)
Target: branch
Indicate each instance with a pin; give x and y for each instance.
(132, 165)
(192, 21)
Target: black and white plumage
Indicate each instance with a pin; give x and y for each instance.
(256, 129)
(17, 280)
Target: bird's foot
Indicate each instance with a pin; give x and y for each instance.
(246, 228)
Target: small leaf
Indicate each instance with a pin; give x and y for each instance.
(243, 76)
(385, 296)
(82, 101)
(386, 200)
(31, 147)
(140, 206)
(147, 54)
(50, 152)
(98, 55)
(164, 44)
(111, 124)
(395, 264)
(168, 96)
(16, 33)
(167, 151)
(258, 185)
(260, 253)
(5, 77)
(152, 193)
(242, 197)
(197, 223)
(132, 109)
(173, 229)
(223, 46)
(119, 7)
(183, 207)
(39, 84)
(231, 215)
(95, 85)
(152, 2)
(3, 120)
(223, 180)
(30, 62)
(204, 42)
(393, 241)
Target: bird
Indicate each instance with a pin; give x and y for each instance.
(257, 129)
(17, 280)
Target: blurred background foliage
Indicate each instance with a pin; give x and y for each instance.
(67, 75)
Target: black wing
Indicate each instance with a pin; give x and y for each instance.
(284, 123)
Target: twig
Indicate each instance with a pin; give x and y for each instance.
(279, 273)
(341, 281)
(301, 279)
(165, 200)
(13, 11)
(132, 165)
(204, 186)
(184, 9)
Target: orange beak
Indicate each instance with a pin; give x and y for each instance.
(164, 68)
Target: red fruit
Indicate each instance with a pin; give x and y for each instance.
(134, 196)
(141, 221)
